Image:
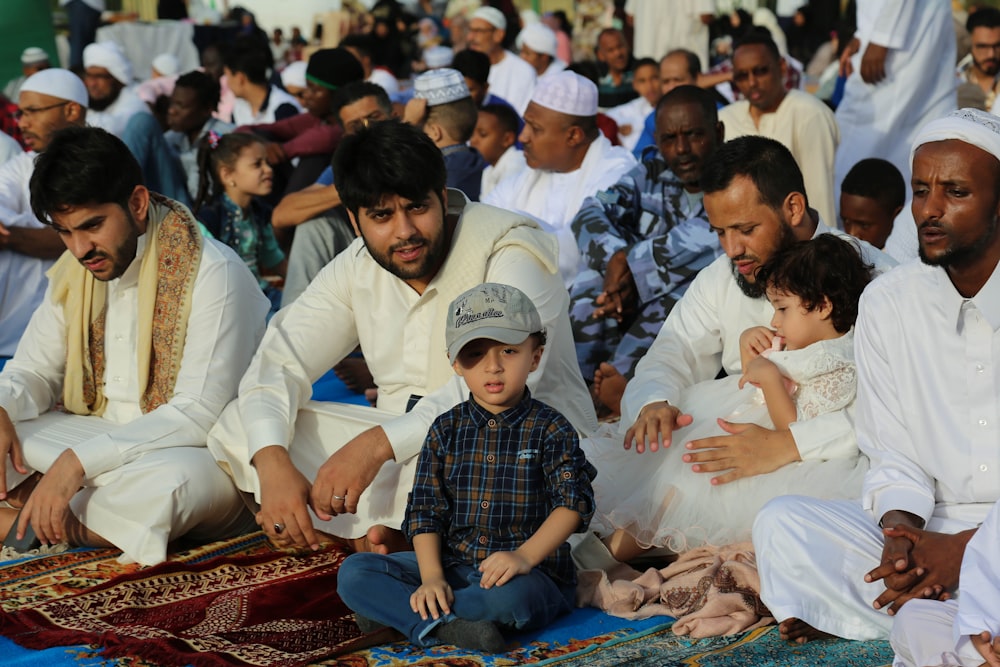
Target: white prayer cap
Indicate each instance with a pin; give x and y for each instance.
(491, 15)
(529, 16)
(166, 64)
(566, 92)
(978, 128)
(59, 83)
(294, 75)
(438, 56)
(440, 86)
(34, 55)
(111, 57)
(539, 38)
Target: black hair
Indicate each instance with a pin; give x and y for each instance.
(506, 117)
(206, 89)
(823, 268)
(540, 338)
(588, 69)
(564, 24)
(249, 56)
(357, 91)
(984, 17)
(608, 31)
(225, 154)
(81, 166)
(767, 163)
(365, 44)
(693, 61)
(472, 64)
(388, 158)
(876, 179)
(759, 37)
(689, 94)
(458, 118)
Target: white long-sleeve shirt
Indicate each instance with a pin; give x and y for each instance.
(929, 394)
(513, 79)
(702, 336)
(22, 278)
(226, 323)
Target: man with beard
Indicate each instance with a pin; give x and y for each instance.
(420, 245)
(108, 75)
(49, 101)
(754, 197)
(651, 225)
(510, 77)
(928, 415)
(142, 337)
(982, 66)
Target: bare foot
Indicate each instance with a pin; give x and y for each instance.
(800, 632)
(381, 540)
(354, 373)
(608, 388)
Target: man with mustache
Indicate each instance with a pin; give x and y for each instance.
(756, 204)
(800, 121)
(928, 418)
(142, 337)
(982, 66)
(643, 241)
(49, 101)
(420, 245)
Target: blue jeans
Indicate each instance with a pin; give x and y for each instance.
(379, 588)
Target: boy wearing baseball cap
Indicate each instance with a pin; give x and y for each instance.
(500, 485)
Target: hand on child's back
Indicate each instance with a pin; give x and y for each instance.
(500, 567)
(433, 599)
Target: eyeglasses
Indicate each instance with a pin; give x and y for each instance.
(31, 111)
(983, 48)
(741, 75)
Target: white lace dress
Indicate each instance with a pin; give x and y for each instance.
(658, 499)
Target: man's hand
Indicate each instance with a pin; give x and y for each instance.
(430, 597)
(655, 426)
(501, 566)
(620, 297)
(275, 153)
(47, 508)
(10, 446)
(934, 560)
(284, 497)
(846, 68)
(415, 112)
(344, 476)
(988, 647)
(749, 450)
(873, 63)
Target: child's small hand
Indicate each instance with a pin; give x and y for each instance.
(430, 597)
(501, 567)
(988, 647)
(758, 371)
(753, 341)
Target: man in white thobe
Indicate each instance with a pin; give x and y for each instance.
(108, 75)
(49, 100)
(142, 336)
(928, 356)
(568, 160)
(800, 121)
(901, 75)
(510, 77)
(664, 26)
(420, 246)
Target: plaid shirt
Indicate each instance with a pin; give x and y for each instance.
(486, 482)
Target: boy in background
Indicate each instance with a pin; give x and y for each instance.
(495, 137)
(501, 483)
(871, 196)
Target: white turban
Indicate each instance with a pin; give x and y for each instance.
(166, 64)
(59, 83)
(539, 38)
(491, 15)
(566, 92)
(975, 127)
(111, 57)
(294, 75)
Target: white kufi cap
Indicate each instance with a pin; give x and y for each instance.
(34, 55)
(978, 128)
(59, 83)
(295, 74)
(111, 57)
(491, 15)
(166, 64)
(566, 92)
(440, 86)
(438, 56)
(539, 38)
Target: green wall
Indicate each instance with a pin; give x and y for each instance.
(24, 23)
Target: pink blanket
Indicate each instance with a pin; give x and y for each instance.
(711, 591)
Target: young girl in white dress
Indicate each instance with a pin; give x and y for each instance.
(802, 368)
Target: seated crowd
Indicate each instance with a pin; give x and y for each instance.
(600, 318)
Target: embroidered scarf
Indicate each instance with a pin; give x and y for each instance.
(166, 281)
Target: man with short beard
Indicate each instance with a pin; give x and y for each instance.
(107, 74)
(420, 245)
(982, 66)
(756, 203)
(141, 339)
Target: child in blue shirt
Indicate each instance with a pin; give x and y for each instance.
(501, 483)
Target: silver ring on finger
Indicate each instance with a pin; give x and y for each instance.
(336, 497)
(279, 528)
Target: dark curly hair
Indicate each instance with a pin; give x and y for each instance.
(826, 267)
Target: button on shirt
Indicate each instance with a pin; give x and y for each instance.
(486, 483)
(929, 394)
